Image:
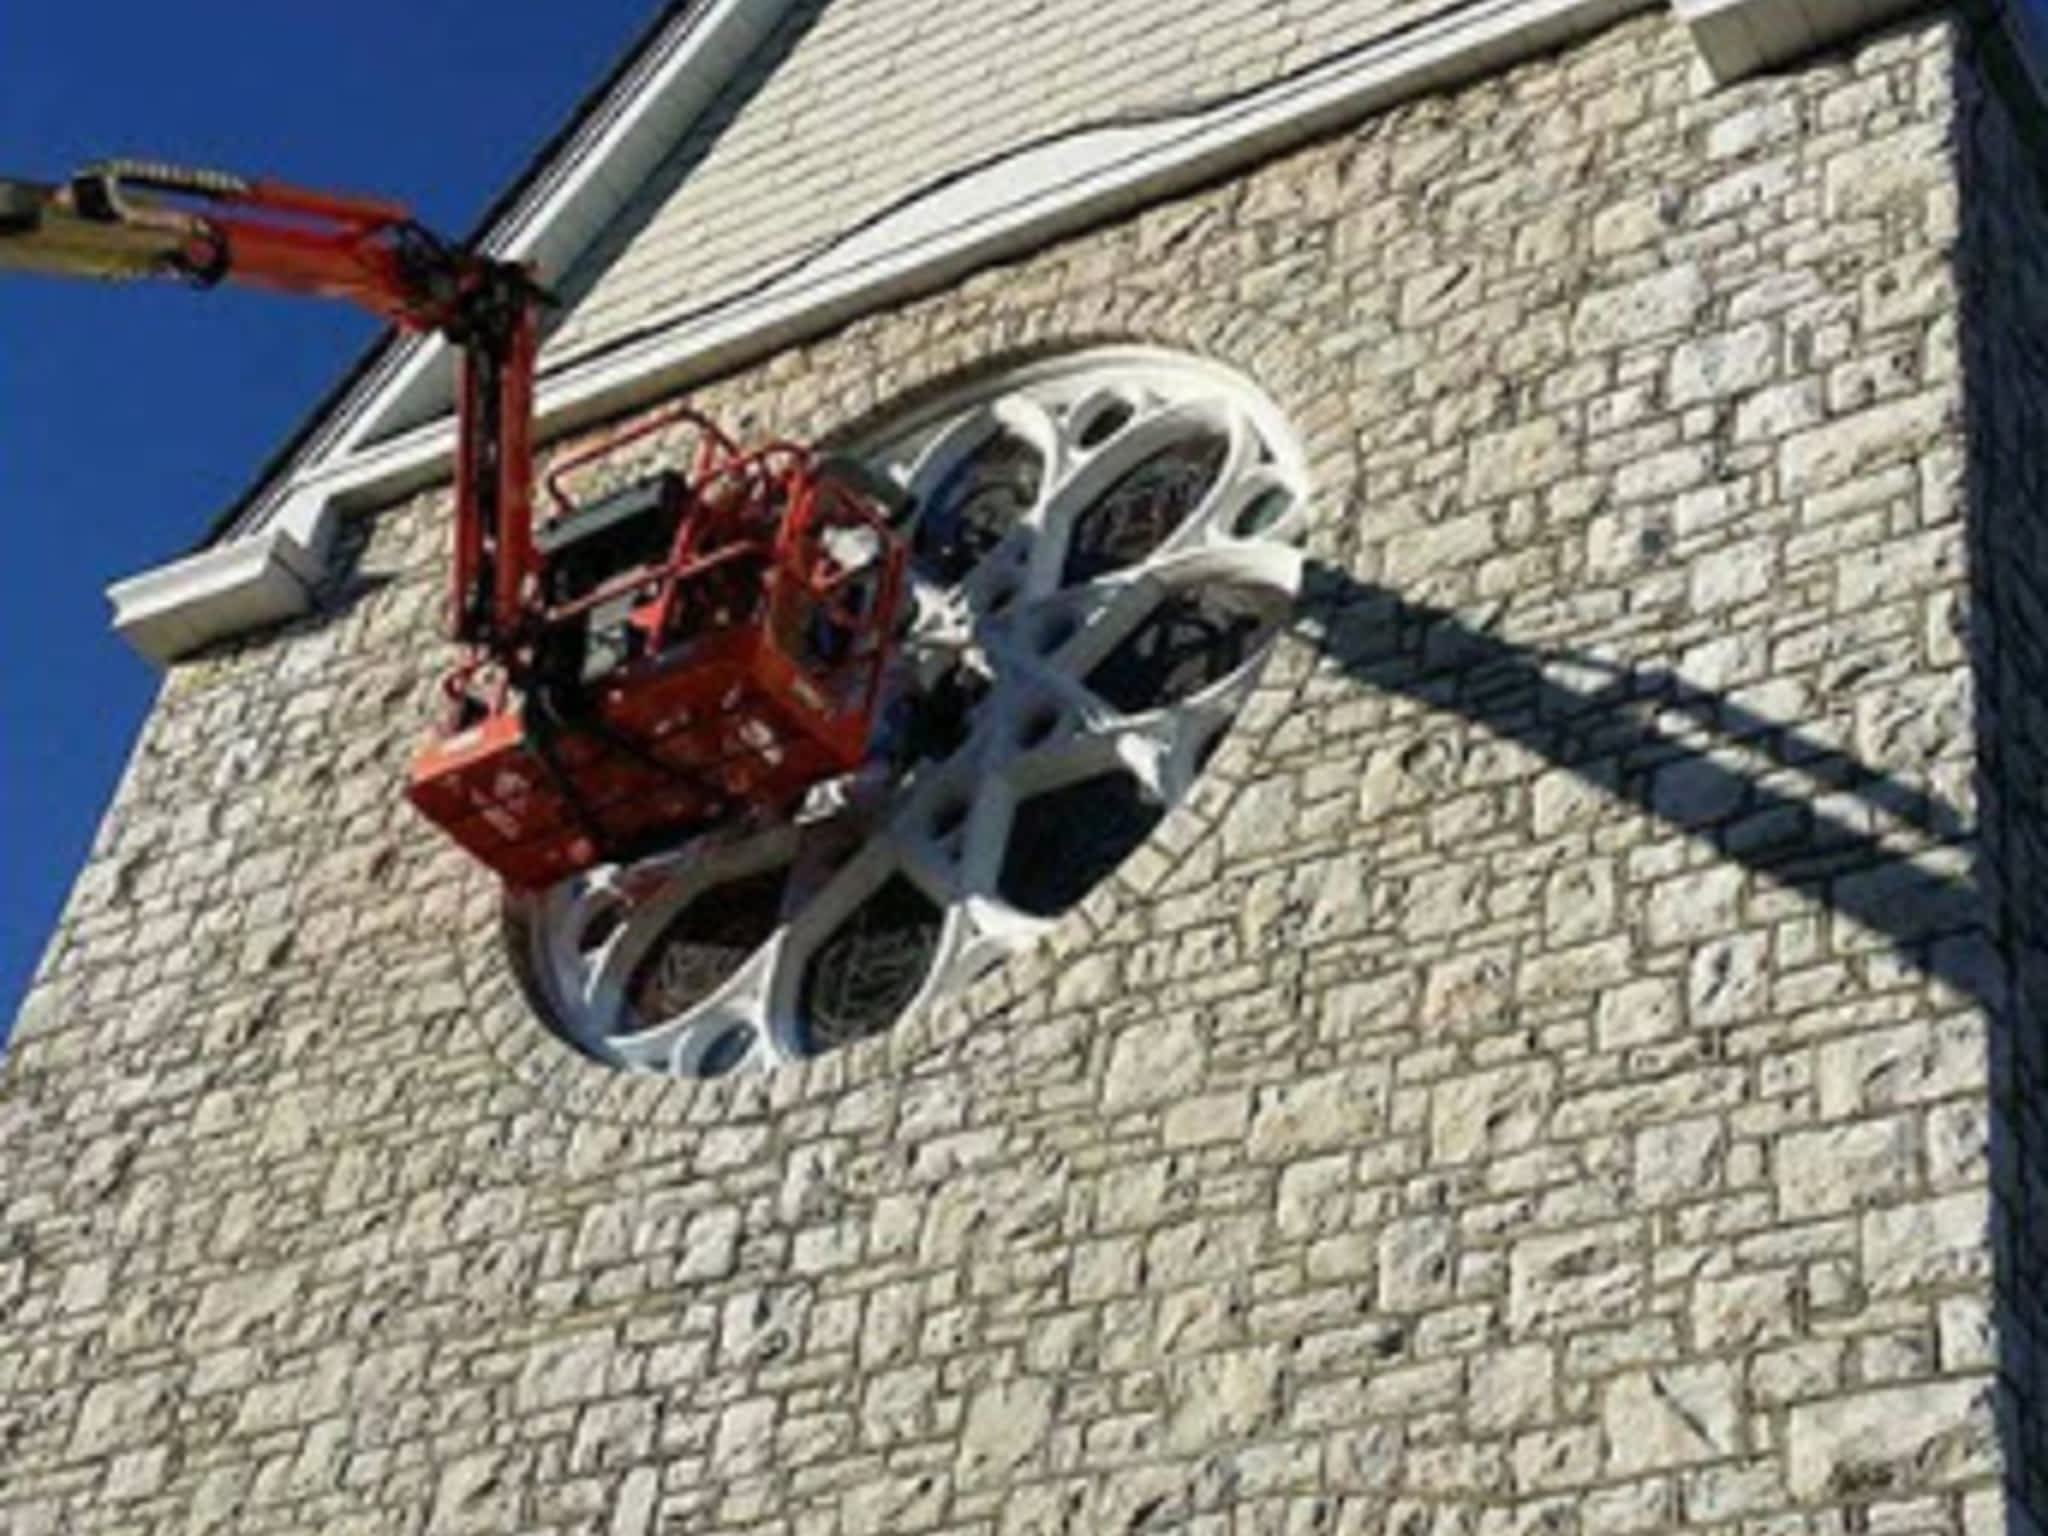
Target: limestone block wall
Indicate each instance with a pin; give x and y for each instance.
(1542, 1080)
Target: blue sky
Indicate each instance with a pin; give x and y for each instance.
(130, 416)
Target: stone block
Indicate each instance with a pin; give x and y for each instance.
(633, 1507)
(744, 1441)
(1699, 905)
(1842, 1167)
(1909, 288)
(1729, 979)
(1579, 902)
(1581, 970)
(234, 1309)
(1945, 1241)
(1680, 1160)
(711, 1247)
(1006, 1427)
(118, 1412)
(1469, 993)
(1827, 455)
(1314, 1196)
(1739, 1312)
(1697, 792)
(571, 1369)
(1660, 476)
(1930, 1434)
(1672, 1416)
(1916, 720)
(1778, 411)
(1725, 364)
(615, 1434)
(1444, 900)
(1641, 310)
(1418, 1265)
(1914, 563)
(1967, 1339)
(884, 1505)
(1734, 574)
(1260, 819)
(1215, 1117)
(1566, 1456)
(1564, 799)
(1577, 1279)
(1638, 1012)
(1908, 1064)
(1317, 1114)
(1511, 1388)
(1887, 170)
(1490, 1113)
(1216, 1398)
(476, 1495)
(1757, 125)
(1154, 1062)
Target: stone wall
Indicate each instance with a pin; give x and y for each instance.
(2003, 263)
(1540, 1080)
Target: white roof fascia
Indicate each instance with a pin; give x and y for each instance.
(1739, 38)
(1007, 208)
(226, 590)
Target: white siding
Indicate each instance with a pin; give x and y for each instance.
(854, 104)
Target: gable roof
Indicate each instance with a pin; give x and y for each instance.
(754, 171)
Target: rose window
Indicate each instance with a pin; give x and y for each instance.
(1102, 556)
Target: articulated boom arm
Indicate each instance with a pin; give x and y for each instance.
(130, 219)
(133, 219)
(646, 666)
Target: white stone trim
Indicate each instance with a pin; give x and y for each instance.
(1739, 38)
(231, 588)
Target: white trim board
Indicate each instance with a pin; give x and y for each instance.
(377, 453)
(1739, 38)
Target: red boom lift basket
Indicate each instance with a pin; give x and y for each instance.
(754, 668)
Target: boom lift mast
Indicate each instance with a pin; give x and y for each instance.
(701, 647)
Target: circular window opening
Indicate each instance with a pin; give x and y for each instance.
(1100, 564)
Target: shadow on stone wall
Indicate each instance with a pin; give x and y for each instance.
(2001, 264)
(1615, 726)
(1930, 889)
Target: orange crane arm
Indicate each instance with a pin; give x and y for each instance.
(129, 219)
(132, 219)
(685, 650)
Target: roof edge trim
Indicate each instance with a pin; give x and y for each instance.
(245, 584)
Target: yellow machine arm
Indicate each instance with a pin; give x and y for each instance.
(94, 227)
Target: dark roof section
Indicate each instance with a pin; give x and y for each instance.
(229, 520)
